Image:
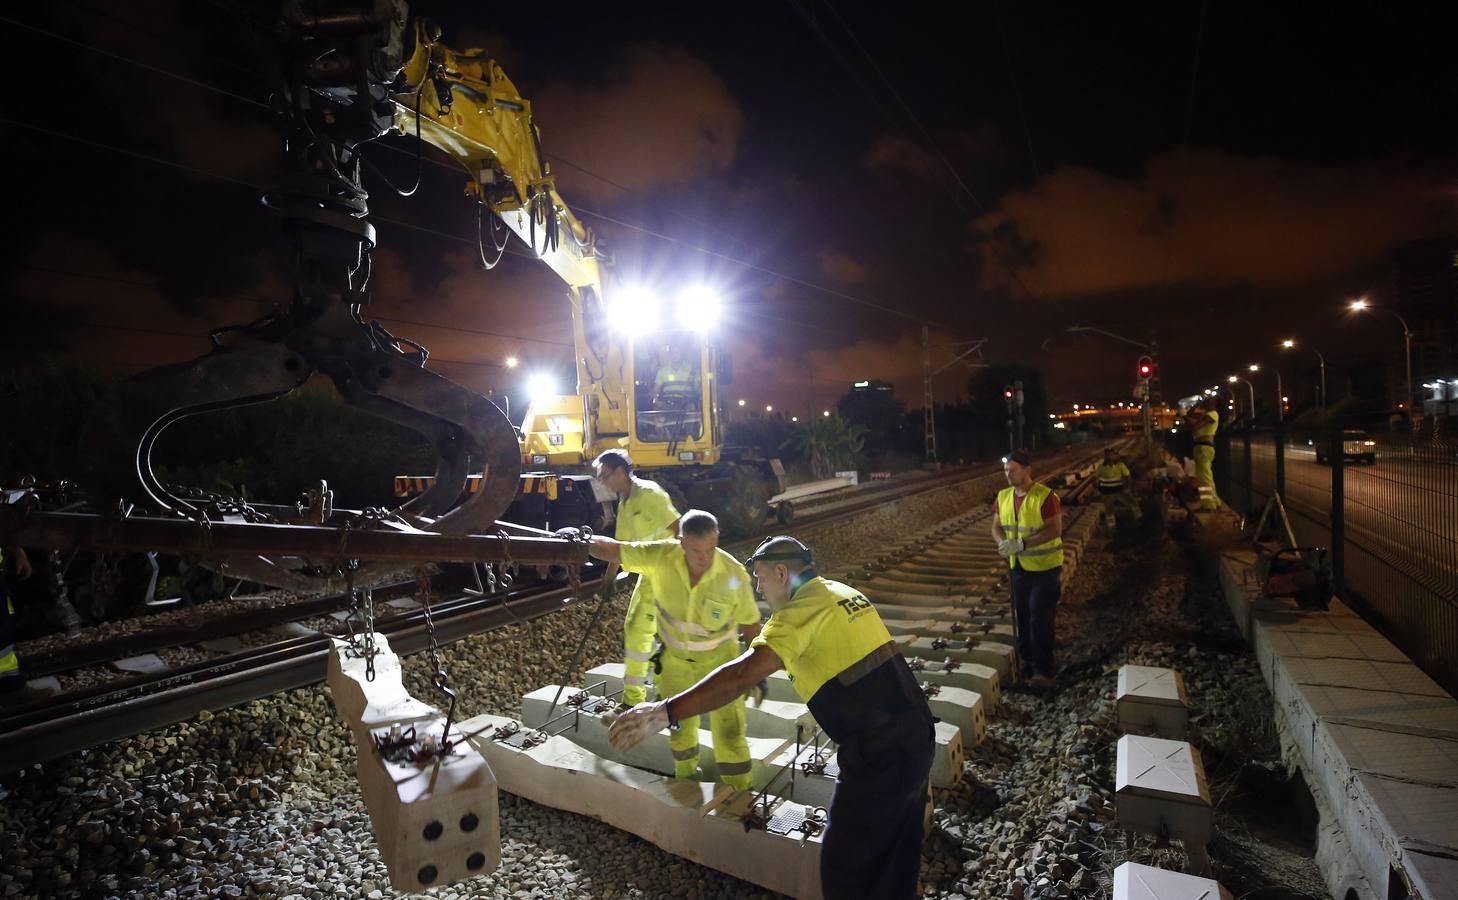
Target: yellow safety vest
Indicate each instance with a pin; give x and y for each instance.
(700, 620)
(1024, 522)
(645, 514)
(671, 374)
(1112, 476)
(826, 631)
(1205, 434)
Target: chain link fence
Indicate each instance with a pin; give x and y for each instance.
(1385, 505)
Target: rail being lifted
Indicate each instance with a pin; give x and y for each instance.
(20, 526)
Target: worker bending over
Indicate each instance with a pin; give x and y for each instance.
(703, 604)
(845, 666)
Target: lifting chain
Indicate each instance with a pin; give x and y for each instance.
(438, 674)
(362, 620)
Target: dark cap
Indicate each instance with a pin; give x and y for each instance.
(1021, 457)
(781, 548)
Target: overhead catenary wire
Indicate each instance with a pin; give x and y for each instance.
(919, 130)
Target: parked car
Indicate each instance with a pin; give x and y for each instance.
(1357, 446)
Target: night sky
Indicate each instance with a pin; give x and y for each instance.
(1225, 174)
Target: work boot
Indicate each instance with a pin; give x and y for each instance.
(1042, 682)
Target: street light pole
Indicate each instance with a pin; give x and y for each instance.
(1362, 305)
(1280, 412)
(1249, 387)
(1290, 344)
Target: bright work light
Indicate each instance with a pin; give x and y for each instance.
(634, 308)
(541, 386)
(698, 308)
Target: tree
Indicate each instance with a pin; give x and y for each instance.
(987, 403)
(828, 443)
(876, 409)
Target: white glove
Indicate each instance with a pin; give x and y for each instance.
(632, 727)
(1008, 546)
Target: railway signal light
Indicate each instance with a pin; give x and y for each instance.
(1146, 368)
(1007, 393)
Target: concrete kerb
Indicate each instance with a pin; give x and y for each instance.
(1373, 736)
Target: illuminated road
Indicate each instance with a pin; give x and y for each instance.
(1403, 508)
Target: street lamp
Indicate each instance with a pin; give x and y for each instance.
(1290, 344)
(1280, 394)
(512, 362)
(1233, 379)
(1361, 305)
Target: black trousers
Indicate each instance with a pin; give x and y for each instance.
(872, 846)
(1035, 602)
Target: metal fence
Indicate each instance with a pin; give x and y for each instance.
(1385, 505)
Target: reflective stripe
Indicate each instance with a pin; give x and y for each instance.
(1103, 482)
(734, 768)
(637, 655)
(694, 646)
(689, 627)
(1041, 550)
(1025, 520)
(688, 753)
(636, 680)
(862, 667)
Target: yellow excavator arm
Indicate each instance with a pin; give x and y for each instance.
(463, 103)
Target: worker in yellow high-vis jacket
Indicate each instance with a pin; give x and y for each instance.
(704, 605)
(645, 513)
(1204, 421)
(1027, 524)
(843, 663)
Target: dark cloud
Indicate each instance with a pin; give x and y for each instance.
(657, 116)
(1211, 218)
(842, 269)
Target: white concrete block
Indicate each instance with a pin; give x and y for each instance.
(587, 726)
(1160, 789)
(1152, 701)
(146, 664)
(293, 630)
(1135, 882)
(1001, 657)
(984, 680)
(699, 821)
(223, 645)
(434, 814)
(961, 708)
(771, 718)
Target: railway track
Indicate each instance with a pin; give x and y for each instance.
(79, 719)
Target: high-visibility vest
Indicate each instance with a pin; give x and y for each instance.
(826, 629)
(1205, 434)
(1112, 475)
(700, 621)
(1025, 521)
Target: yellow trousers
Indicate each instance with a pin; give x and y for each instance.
(731, 750)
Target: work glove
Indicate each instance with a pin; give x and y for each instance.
(632, 727)
(1009, 546)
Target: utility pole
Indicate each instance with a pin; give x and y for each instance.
(927, 374)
